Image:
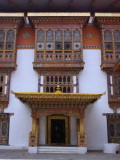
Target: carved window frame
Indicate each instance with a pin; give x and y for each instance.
(73, 84)
(113, 85)
(53, 54)
(112, 55)
(60, 80)
(113, 124)
(8, 53)
(4, 84)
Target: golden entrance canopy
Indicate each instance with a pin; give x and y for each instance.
(58, 98)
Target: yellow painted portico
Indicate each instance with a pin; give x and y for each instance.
(57, 105)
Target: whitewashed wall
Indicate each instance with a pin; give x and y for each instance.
(93, 80)
(23, 79)
(118, 110)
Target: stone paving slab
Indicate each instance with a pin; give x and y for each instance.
(23, 154)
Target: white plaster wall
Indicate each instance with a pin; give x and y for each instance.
(118, 110)
(73, 130)
(42, 130)
(23, 79)
(93, 80)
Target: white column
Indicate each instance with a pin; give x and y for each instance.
(41, 89)
(42, 132)
(74, 79)
(5, 91)
(111, 82)
(6, 79)
(42, 79)
(74, 89)
(73, 130)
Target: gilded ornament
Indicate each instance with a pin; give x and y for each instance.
(26, 35)
(89, 35)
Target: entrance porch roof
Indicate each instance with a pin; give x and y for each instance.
(42, 100)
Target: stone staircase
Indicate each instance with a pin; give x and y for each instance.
(47, 149)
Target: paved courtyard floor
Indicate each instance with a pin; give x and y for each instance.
(23, 154)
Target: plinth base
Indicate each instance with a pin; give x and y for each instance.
(111, 148)
(32, 149)
(82, 150)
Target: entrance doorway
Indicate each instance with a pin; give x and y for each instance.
(58, 130)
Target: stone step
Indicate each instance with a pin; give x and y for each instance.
(57, 150)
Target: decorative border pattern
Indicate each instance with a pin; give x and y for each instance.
(25, 47)
(91, 47)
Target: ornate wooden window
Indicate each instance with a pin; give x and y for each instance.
(117, 41)
(108, 40)
(111, 46)
(68, 82)
(7, 44)
(2, 37)
(4, 129)
(113, 125)
(3, 84)
(114, 85)
(58, 44)
(65, 82)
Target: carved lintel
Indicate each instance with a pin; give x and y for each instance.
(67, 112)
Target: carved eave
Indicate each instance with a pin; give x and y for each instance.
(57, 99)
(58, 66)
(117, 67)
(11, 20)
(7, 67)
(114, 103)
(104, 19)
(112, 116)
(3, 103)
(77, 18)
(4, 116)
(107, 67)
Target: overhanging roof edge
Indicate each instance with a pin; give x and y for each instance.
(20, 14)
(107, 14)
(71, 14)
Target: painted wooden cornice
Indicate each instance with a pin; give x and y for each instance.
(71, 99)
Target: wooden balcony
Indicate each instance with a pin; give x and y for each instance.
(59, 62)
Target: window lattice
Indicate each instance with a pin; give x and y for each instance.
(2, 84)
(113, 130)
(111, 45)
(108, 36)
(2, 35)
(7, 43)
(59, 45)
(117, 36)
(114, 85)
(4, 129)
(51, 82)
